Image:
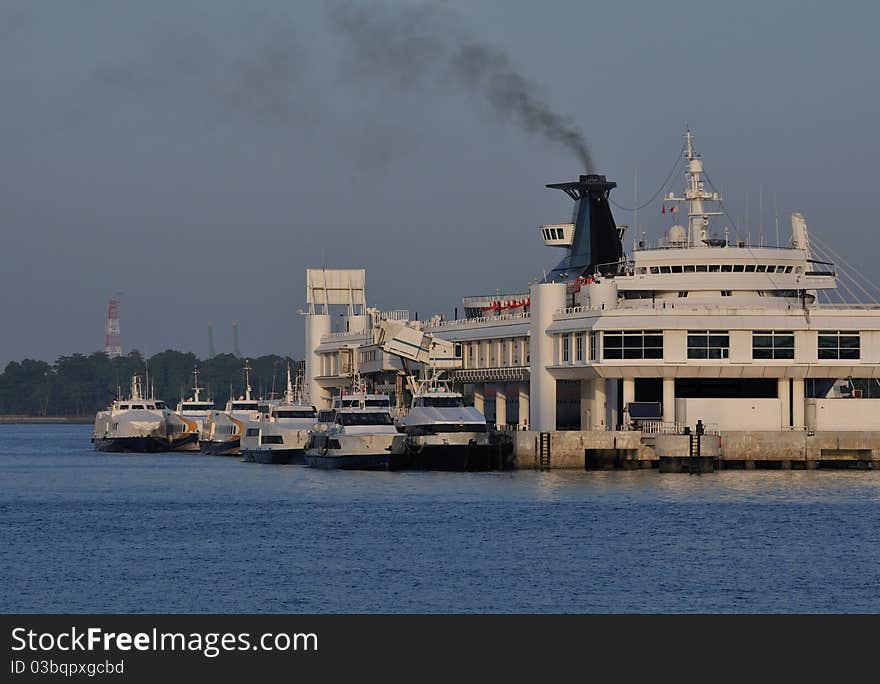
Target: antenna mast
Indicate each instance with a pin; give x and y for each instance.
(112, 340)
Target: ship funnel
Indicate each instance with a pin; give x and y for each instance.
(595, 245)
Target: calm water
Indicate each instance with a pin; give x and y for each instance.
(88, 532)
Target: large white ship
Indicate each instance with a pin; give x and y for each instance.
(700, 325)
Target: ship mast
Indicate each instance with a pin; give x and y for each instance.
(695, 194)
(196, 388)
(289, 394)
(247, 380)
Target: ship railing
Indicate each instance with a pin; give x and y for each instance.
(485, 299)
(462, 322)
(346, 334)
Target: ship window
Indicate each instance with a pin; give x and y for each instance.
(665, 269)
(641, 270)
(683, 293)
(788, 269)
(761, 268)
(371, 418)
(137, 406)
(689, 268)
(633, 344)
(726, 293)
(839, 344)
(714, 268)
(772, 344)
(750, 268)
(123, 407)
(771, 269)
(737, 268)
(441, 402)
(701, 268)
(252, 432)
(244, 406)
(655, 270)
(384, 402)
(708, 344)
(299, 413)
(676, 269)
(726, 268)
(326, 416)
(271, 439)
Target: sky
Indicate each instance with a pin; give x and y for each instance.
(198, 155)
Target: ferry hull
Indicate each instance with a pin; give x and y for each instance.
(448, 457)
(275, 456)
(229, 447)
(132, 445)
(188, 442)
(349, 461)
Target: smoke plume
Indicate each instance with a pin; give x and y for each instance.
(418, 45)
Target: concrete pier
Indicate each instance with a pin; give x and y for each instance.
(767, 450)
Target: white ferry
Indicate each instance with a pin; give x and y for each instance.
(280, 436)
(194, 411)
(140, 424)
(356, 435)
(221, 432)
(440, 432)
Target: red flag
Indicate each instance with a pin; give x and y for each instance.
(663, 210)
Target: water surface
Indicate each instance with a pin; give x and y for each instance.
(82, 531)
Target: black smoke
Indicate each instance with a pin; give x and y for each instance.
(417, 46)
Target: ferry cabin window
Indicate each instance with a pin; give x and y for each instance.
(632, 344)
(326, 416)
(302, 413)
(136, 406)
(738, 268)
(839, 344)
(750, 268)
(123, 407)
(378, 403)
(198, 407)
(244, 406)
(690, 269)
(701, 268)
(708, 344)
(441, 402)
(371, 418)
(271, 439)
(160, 404)
(772, 344)
(252, 432)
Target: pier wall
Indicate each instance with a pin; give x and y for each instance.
(587, 449)
(569, 448)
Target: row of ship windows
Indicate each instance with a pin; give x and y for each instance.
(706, 344)
(135, 407)
(719, 268)
(553, 233)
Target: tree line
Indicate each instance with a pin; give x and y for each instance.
(80, 385)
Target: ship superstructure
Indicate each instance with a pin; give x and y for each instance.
(698, 325)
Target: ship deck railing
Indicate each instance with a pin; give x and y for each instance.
(461, 322)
